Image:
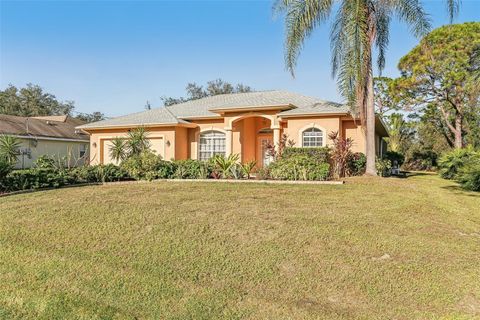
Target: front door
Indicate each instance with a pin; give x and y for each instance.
(263, 156)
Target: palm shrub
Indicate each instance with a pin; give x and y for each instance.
(9, 148)
(247, 168)
(137, 141)
(356, 164)
(45, 161)
(225, 164)
(383, 166)
(469, 175)
(118, 149)
(451, 162)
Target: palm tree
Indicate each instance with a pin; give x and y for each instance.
(137, 141)
(9, 148)
(118, 149)
(398, 132)
(358, 27)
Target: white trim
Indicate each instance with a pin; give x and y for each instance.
(309, 126)
(46, 138)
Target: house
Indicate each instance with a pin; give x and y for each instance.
(55, 136)
(240, 123)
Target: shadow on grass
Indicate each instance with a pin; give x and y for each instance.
(459, 191)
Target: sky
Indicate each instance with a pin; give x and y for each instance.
(113, 56)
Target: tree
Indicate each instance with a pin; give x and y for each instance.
(213, 88)
(91, 117)
(9, 148)
(399, 131)
(358, 26)
(439, 78)
(118, 149)
(137, 141)
(32, 101)
(384, 101)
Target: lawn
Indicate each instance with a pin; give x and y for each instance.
(370, 249)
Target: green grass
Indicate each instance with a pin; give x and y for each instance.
(371, 249)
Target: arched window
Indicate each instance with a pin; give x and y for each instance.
(312, 137)
(211, 143)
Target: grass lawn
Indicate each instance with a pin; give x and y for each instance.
(371, 249)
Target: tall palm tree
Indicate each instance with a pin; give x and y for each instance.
(358, 28)
(398, 132)
(9, 148)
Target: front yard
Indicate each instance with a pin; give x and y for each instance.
(373, 248)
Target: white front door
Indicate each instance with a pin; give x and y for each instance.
(263, 156)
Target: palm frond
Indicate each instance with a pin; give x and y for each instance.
(453, 6)
(301, 18)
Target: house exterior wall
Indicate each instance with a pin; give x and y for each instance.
(296, 126)
(244, 130)
(59, 150)
(162, 140)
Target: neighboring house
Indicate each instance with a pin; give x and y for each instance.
(241, 123)
(55, 136)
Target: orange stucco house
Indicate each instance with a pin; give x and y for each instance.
(241, 123)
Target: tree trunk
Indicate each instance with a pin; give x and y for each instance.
(370, 130)
(458, 132)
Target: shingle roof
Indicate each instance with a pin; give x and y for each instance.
(48, 126)
(149, 117)
(206, 107)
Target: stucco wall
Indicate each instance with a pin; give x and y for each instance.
(295, 127)
(203, 125)
(56, 149)
(162, 139)
(181, 143)
(354, 131)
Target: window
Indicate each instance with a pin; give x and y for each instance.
(211, 143)
(83, 150)
(312, 137)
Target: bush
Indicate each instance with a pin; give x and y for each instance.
(144, 166)
(319, 154)
(395, 158)
(45, 162)
(299, 167)
(192, 169)
(420, 161)
(357, 163)
(99, 173)
(383, 167)
(5, 168)
(35, 178)
(452, 162)
(263, 174)
(469, 176)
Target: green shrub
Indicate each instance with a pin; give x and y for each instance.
(143, 166)
(263, 174)
(383, 167)
(98, 173)
(192, 169)
(394, 157)
(452, 162)
(469, 176)
(299, 167)
(45, 162)
(35, 178)
(357, 163)
(319, 154)
(419, 160)
(228, 167)
(5, 168)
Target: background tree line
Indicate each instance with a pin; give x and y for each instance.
(32, 101)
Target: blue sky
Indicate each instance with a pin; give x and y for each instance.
(113, 56)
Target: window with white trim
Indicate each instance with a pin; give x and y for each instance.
(211, 143)
(312, 137)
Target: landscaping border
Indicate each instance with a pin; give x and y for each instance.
(290, 182)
